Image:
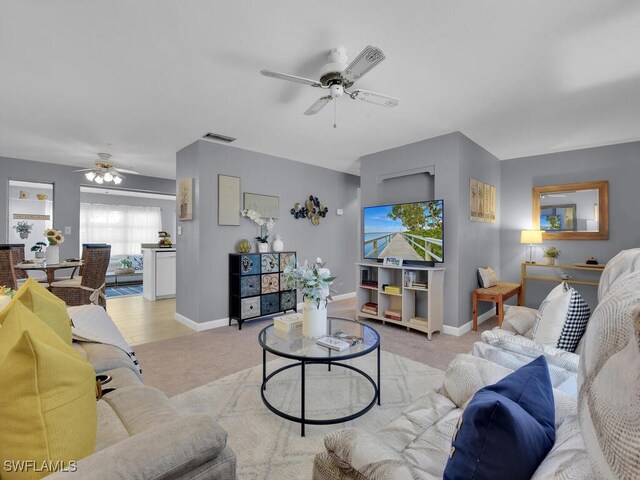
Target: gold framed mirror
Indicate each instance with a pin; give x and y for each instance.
(573, 211)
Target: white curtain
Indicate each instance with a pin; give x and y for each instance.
(121, 226)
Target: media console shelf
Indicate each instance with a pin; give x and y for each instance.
(414, 299)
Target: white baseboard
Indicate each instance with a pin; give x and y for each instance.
(200, 327)
(459, 331)
(342, 296)
(223, 322)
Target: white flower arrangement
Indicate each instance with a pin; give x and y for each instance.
(264, 223)
(314, 281)
(54, 236)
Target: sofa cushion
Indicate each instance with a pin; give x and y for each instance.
(576, 322)
(48, 402)
(513, 419)
(552, 315)
(609, 382)
(487, 277)
(105, 357)
(49, 308)
(625, 262)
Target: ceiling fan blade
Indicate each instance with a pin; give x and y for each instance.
(125, 170)
(290, 78)
(365, 61)
(318, 105)
(376, 98)
(82, 170)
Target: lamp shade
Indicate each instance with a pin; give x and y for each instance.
(531, 236)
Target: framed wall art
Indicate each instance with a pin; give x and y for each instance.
(482, 197)
(228, 200)
(185, 199)
(266, 205)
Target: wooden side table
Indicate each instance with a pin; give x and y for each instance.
(498, 294)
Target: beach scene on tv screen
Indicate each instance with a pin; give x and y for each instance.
(412, 231)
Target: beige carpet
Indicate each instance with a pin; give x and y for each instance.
(270, 447)
(179, 364)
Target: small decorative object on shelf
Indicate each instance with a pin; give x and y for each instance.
(23, 195)
(55, 238)
(551, 254)
(591, 261)
(127, 267)
(266, 227)
(244, 246)
(37, 249)
(23, 229)
(41, 196)
(165, 240)
(314, 281)
(278, 244)
(312, 209)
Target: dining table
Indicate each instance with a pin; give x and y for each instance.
(50, 268)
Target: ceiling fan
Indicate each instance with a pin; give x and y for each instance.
(337, 77)
(105, 171)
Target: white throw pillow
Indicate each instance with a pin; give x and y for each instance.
(551, 316)
(487, 277)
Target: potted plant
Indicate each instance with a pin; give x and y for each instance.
(314, 282)
(24, 229)
(266, 226)
(551, 254)
(37, 248)
(127, 267)
(55, 238)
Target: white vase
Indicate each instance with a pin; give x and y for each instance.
(551, 261)
(277, 245)
(314, 319)
(52, 255)
(263, 247)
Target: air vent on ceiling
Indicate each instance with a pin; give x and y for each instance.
(218, 138)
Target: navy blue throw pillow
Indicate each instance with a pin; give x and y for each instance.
(507, 429)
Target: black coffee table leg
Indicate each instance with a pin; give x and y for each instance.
(379, 389)
(264, 369)
(302, 363)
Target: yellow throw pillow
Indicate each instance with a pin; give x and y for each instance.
(49, 308)
(48, 408)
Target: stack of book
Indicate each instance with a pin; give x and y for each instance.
(393, 315)
(288, 323)
(370, 308)
(339, 341)
(419, 285)
(392, 289)
(423, 322)
(370, 283)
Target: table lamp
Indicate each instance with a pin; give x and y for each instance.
(531, 237)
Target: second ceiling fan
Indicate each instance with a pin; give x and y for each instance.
(338, 77)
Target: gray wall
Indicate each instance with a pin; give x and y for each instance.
(204, 246)
(168, 207)
(66, 208)
(467, 244)
(619, 164)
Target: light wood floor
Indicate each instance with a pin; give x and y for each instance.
(141, 321)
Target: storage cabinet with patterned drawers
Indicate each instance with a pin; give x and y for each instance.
(257, 287)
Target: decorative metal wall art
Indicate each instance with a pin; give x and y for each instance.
(312, 209)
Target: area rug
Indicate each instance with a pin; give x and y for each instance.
(270, 447)
(123, 291)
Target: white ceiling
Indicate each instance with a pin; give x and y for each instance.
(143, 78)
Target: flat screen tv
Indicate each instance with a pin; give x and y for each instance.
(411, 231)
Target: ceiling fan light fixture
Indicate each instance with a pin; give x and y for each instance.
(90, 175)
(117, 180)
(108, 177)
(99, 179)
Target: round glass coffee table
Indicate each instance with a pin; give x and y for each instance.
(306, 351)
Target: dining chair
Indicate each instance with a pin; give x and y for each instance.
(7, 272)
(84, 255)
(89, 288)
(17, 255)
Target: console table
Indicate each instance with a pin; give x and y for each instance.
(524, 276)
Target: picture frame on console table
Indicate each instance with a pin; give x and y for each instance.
(394, 261)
